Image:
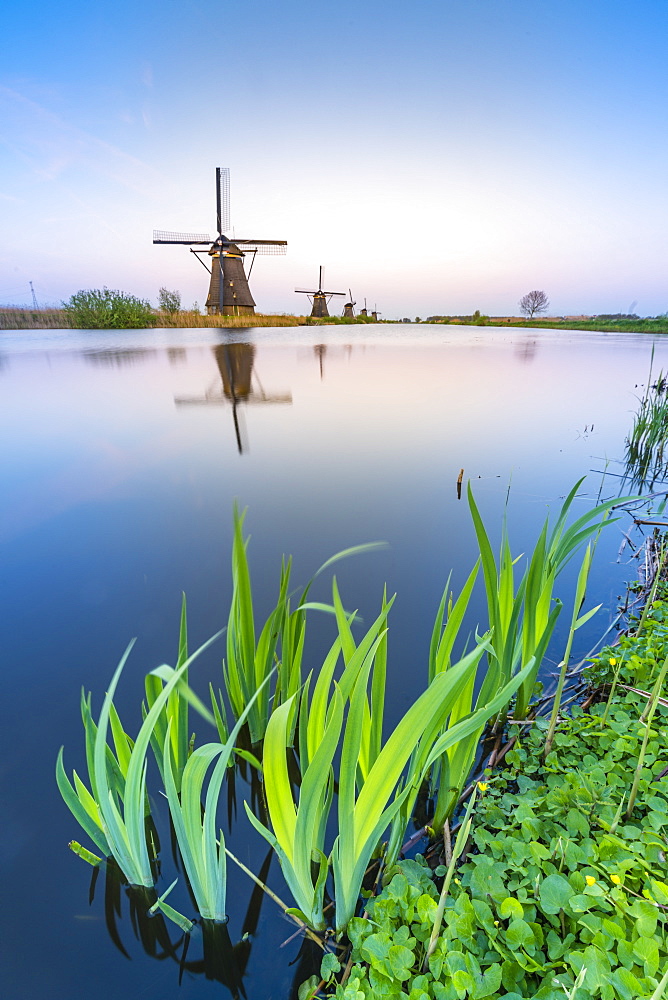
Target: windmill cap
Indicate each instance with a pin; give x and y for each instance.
(227, 247)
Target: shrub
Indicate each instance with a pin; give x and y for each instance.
(106, 309)
(169, 302)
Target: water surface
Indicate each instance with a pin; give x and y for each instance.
(123, 453)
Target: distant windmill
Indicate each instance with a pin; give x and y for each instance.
(229, 293)
(363, 312)
(349, 307)
(319, 298)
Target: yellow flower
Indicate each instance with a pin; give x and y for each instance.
(615, 879)
(590, 880)
(613, 661)
(482, 786)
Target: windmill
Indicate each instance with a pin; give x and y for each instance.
(349, 307)
(319, 297)
(229, 293)
(363, 312)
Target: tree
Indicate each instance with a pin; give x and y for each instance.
(533, 302)
(169, 302)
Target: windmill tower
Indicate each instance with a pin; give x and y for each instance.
(349, 307)
(319, 298)
(363, 312)
(229, 293)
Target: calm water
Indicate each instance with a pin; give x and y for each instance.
(123, 454)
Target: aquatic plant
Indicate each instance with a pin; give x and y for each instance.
(203, 853)
(646, 457)
(113, 812)
(250, 660)
(329, 726)
(171, 725)
(298, 831)
(371, 792)
(554, 894)
(577, 621)
(522, 618)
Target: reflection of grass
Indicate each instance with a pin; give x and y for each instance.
(647, 445)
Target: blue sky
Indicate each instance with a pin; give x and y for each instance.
(436, 158)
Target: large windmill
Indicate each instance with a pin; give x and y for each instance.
(229, 293)
(319, 298)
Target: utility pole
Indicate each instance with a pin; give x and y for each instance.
(34, 297)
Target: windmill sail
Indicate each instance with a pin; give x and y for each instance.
(162, 236)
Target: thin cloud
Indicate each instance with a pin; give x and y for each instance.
(53, 146)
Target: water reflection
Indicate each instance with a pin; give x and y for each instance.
(239, 385)
(320, 350)
(526, 349)
(207, 951)
(116, 358)
(177, 356)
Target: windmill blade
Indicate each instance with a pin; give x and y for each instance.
(274, 247)
(306, 291)
(164, 236)
(223, 199)
(333, 293)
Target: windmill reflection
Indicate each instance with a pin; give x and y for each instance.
(240, 386)
(320, 350)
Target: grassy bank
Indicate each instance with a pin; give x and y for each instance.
(561, 886)
(15, 318)
(657, 325)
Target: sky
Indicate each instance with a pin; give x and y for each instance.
(435, 158)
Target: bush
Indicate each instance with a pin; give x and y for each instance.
(169, 302)
(104, 309)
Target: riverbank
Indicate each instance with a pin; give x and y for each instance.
(562, 884)
(16, 318)
(655, 325)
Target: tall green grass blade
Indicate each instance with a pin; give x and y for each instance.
(125, 832)
(202, 851)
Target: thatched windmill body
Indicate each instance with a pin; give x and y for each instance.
(319, 297)
(229, 292)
